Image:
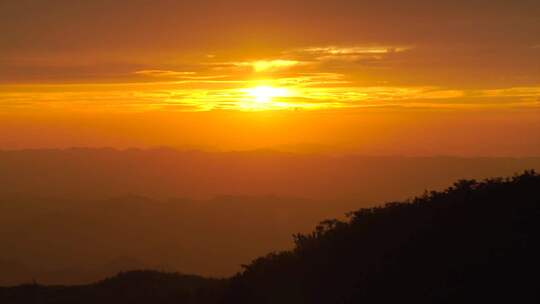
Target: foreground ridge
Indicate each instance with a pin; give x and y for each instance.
(473, 242)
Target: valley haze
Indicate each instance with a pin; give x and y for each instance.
(77, 215)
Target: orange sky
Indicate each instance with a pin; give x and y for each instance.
(414, 77)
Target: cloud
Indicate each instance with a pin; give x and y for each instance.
(311, 76)
(268, 65)
(177, 75)
(355, 50)
(303, 93)
(308, 59)
(313, 80)
(349, 53)
(511, 92)
(164, 73)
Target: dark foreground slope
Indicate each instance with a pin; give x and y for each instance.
(474, 242)
(136, 287)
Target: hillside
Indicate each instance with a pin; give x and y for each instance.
(177, 210)
(135, 287)
(130, 232)
(473, 242)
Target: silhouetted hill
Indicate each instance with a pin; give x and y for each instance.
(475, 242)
(75, 241)
(138, 208)
(132, 287)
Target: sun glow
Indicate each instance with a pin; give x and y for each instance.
(264, 94)
(266, 98)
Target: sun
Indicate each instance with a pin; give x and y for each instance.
(265, 94)
(267, 98)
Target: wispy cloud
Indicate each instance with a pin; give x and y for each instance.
(355, 50)
(270, 65)
(309, 57)
(306, 74)
(302, 93)
(511, 92)
(348, 53)
(177, 75)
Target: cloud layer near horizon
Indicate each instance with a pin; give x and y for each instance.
(339, 53)
(74, 58)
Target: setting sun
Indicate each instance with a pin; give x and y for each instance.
(265, 94)
(264, 98)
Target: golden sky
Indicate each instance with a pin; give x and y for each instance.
(411, 77)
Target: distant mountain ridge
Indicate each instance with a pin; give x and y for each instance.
(143, 286)
(76, 241)
(165, 173)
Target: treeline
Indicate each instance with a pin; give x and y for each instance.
(475, 241)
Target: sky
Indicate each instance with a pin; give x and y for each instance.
(387, 77)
